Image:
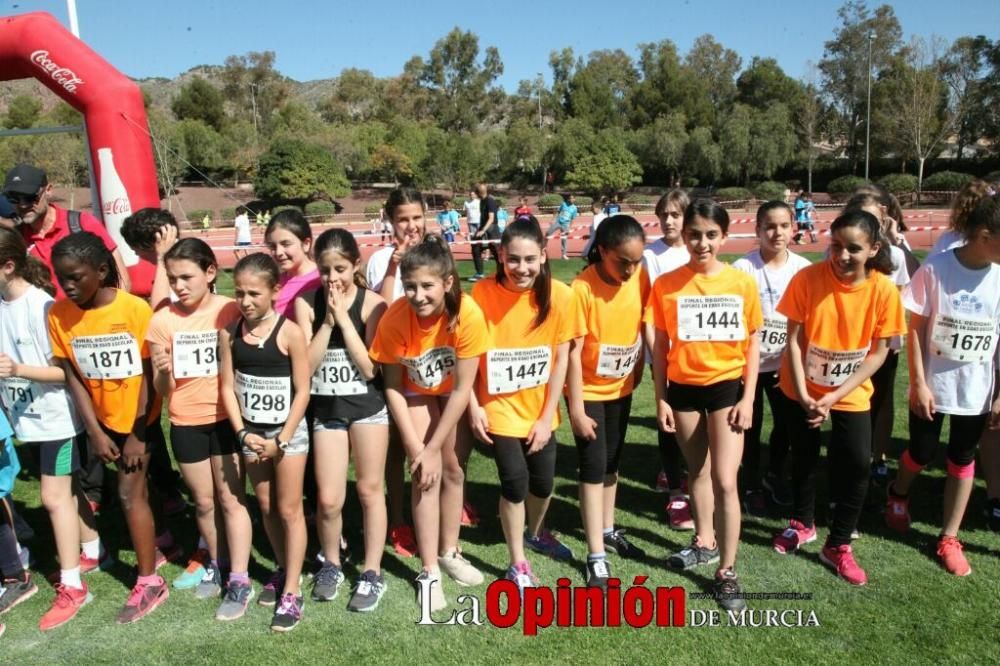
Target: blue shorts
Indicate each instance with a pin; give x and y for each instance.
(379, 418)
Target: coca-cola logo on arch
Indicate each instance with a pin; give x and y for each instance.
(64, 76)
(118, 206)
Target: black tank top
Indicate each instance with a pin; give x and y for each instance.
(348, 406)
(263, 377)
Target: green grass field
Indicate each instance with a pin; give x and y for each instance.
(911, 611)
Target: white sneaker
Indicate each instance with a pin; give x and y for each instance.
(438, 601)
(460, 569)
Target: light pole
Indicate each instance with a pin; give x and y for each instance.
(540, 81)
(868, 120)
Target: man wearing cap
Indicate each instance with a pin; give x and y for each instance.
(43, 224)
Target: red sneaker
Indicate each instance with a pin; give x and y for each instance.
(403, 540)
(793, 537)
(65, 606)
(470, 517)
(897, 512)
(842, 560)
(679, 513)
(143, 601)
(88, 564)
(952, 558)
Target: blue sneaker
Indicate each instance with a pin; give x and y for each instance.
(194, 572)
(546, 543)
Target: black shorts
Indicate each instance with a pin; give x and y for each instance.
(154, 437)
(710, 398)
(194, 444)
(59, 457)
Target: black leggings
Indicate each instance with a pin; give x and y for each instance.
(493, 233)
(10, 561)
(962, 443)
(767, 382)
(671, 458)
(599, 457)
(848, 455)
(520, 473)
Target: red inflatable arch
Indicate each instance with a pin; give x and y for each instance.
(37, 45)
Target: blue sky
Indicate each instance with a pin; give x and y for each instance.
(316, 39)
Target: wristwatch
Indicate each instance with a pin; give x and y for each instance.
(282, 445)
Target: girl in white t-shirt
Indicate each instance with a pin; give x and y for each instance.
(40, 409)
(954, 304)
(961, 207)
(772, 267)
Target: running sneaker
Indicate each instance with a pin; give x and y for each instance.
(171, 553)
(841, 559)
(460, 569)
(235, 601)
(143, 600)
(27, 561)
(727, 592)
(470, 517)
(194, 572)
(598, 573)
(679, 513)
(949, 551)
(897, 512)
(793, 537)
(547, 543)
(777, 486)
(476, 277)
(288, 614)
(993, 514)
(269, 594)
(693, 556)
(662, 483)
(617, 543)
(880, 473)
(68, 602)
(755, 503)
(367, 593)
(327, 582)
(404, 542)
(433, 581)
(210, 586)
(14, 591)
(102, 563)
(522, 576)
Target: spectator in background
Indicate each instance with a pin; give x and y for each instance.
(523, 209)
(447, 219)
(488, 234)
(612, 207)
(472, 213)
(502, 217)
(243, 236)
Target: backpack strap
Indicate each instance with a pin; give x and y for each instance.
(73, 217)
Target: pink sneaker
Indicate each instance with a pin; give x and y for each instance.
(952, 558)
(470, 517)
(662, 482)
(897, 512)
(794, 537)
(842, 560)
(679, 513)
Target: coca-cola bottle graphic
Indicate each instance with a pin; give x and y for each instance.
(115, 203)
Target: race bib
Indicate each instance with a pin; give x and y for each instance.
(431, 368)
(710, 318)
(510, 370)
(18, 397)
(196, 354)
(114, 356)
(264, 399)
(337, 375)
(832, 368)
(965, 339)
(773, 335)
(617, 361)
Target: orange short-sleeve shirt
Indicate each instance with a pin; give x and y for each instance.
(192, 340)
(609, 319)
(429, 352)
(839, 323)
(710, 320)
(513, 381)
(107, 346)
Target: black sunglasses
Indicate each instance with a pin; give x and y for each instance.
(19, 199)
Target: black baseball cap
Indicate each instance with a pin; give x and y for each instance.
(25, 179)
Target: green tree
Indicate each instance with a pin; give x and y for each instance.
(702, 155)
(756, 142)
(715, 67)
(667, 85)
(524, 148)
(606, 165)
(255, 88)
(453, 160)
(200, 100)
(293, 169)
(390, 162)
(966, 71)
(764, 82)
(600, 90)
(356, 97)
(660, 146)
(203, 147)
(23, 112)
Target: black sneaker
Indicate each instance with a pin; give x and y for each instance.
(693, 556)
(269, 594)
(993, 514)
(327, 582)
(880, 473)
(367, 593)
(14, 591)
(727, 591)
(617, 543)
(781, 494)
(755, 503)
(288, 614)
(598, 573)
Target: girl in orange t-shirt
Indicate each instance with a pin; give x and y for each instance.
(841, 314)
(705, 362)
(604, 368)
(429, 346)
(516, 406)
(184, 344)
(98, 336)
